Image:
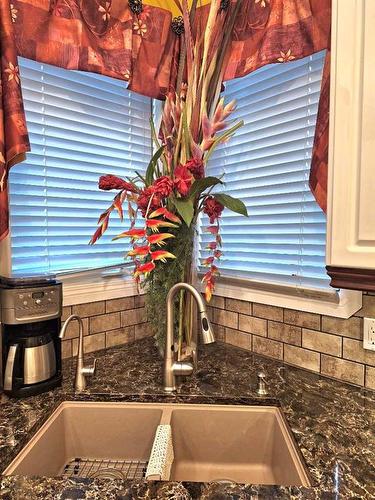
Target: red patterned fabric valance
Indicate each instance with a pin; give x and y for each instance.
(140, 42)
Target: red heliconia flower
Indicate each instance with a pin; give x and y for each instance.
(108, 182)
(208, 261)
(132, 233)
(209, 287)
(212, 229)
(212, 245)
(158, 239)
(139, 251)
(144, 269)
(196, 167)
(154, 224)
(166, 214)
(144, 200)
(163, 186)
(218, 254)
(212, 208)
(162, 255)
(183, 179)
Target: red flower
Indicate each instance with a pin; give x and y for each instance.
(182, 179)
(163, 186)
(212, 208)
(107, 182)
(196, 167)
(144, 199)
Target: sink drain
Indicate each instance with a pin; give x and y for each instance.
(105, 469)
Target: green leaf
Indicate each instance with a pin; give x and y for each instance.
(201, 184)
(152, 165)
(232, 203)
(185, 208)
(186, 133)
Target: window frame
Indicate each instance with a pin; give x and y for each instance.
(91, 286)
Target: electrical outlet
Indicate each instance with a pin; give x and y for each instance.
(369, 333)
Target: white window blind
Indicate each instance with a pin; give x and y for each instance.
(81, 126)
(267, 165)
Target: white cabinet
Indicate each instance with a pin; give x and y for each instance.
(351, 180)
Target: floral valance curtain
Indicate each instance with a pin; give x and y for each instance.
(140, 42)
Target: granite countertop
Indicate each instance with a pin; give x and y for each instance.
(332, 422)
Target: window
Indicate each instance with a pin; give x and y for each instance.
(267, 165)
(81, 125)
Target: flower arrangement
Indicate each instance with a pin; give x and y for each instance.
(164, 204)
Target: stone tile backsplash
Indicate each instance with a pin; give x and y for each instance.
(323, 344)
(106, 323)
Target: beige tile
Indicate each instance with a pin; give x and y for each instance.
(353, 350)
(219, 332)
(343, 370)
(351, 327)
(304, 319)
(225, 318)
(121, 304)
(90, 343)
(139, 300)
(370, 377)
(73, 329)
(250, 324)
(368, 307)
(89, 309)
(120, 336)
(286, 333)
(302, 357)
(322, 342)
(240, 306)
(217, 301)
(66, 349)
(66, 312)
(105, 322)
(268, 312)
(239, 339)
(143, 330)
(268, 347)
(133, 317)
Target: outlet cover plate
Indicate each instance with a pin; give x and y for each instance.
(369, 333)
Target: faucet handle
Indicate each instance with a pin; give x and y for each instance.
(89, 371)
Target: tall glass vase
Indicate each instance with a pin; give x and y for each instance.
(160, 282)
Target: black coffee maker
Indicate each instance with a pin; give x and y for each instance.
(30, 321)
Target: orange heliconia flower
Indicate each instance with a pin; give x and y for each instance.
(144, 269)
(158, 239)
(166, 214)
(154, 224)
(132, 233)
(162, 255)
(139, 251)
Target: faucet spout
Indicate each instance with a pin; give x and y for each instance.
(171, 366)
(82, 371)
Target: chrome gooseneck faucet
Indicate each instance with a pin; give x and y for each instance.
(171, 366)
(82, 371)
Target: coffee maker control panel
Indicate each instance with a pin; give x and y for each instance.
(31, 304)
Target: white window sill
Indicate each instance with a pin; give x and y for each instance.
(88, 289)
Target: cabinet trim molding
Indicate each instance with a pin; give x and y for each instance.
(352, 278)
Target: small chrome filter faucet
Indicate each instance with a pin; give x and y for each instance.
(82, 371)
(172, 368)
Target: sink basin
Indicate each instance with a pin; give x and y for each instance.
(245, 444)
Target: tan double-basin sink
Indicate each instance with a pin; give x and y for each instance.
(244, 444)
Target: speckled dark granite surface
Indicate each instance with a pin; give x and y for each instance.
(333, 424)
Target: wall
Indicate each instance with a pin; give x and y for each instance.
(107, 323)
(322, 344)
